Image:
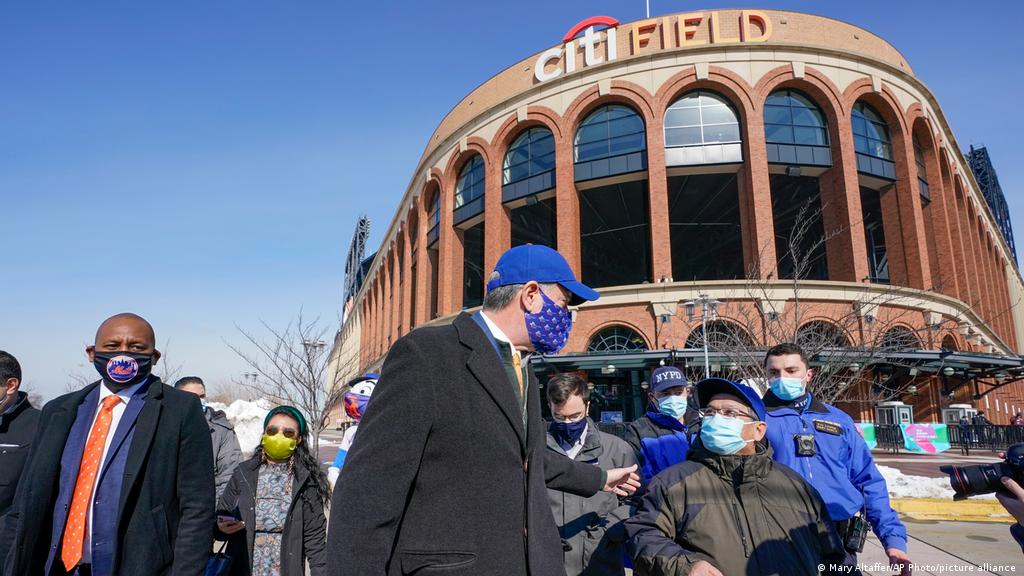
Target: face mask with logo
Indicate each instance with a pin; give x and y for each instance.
(121, 370)
(548, 329)
(567, 434)
(723, 435)
(786, 388)
(674, 406)
(355, 405)
(278, 446)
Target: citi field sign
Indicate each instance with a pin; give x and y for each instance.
(683, 31)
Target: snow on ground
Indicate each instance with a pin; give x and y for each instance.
(904, 486)
(247, 418)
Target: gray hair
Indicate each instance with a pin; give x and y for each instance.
(500, 297)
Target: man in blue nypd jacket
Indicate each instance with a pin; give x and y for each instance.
(119, 481)
(659, 437)
(840, 465)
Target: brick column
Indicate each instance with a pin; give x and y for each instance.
(967, 281)
(756, 201)
(898, 275)
(946, 258)
(657, 203)
(408, 306)
(842, 215)
(385, 301)
(911, 229)
(448, 265)
(497, 225)
(567, 204)
(396, 288)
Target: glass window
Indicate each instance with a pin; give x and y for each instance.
(799, 230)
(792, 118)
(922, 171)
(614, 234)
(531, 153)
(471, 181)
(871, 134)
(473, 266)
(609, 131)
(535, 223)
(434, 209)
(616, 339)
(874, 235)
(701, 118)
(704, 227)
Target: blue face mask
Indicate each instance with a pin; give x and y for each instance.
(674, 406)
(567, 434)
(787, 388)
(723, 435)
(549, 328)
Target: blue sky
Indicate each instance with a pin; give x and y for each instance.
(203, 163)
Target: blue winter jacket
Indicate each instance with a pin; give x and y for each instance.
(659, 442)
(843, 470)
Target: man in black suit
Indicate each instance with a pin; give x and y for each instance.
(449, 473)
(120, 478)
(18, 422)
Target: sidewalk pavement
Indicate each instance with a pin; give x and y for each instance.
(950, 548)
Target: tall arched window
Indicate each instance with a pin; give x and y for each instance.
(872, 142)
(531, 154)
(470, 185)
(922, 169)
(616, 339)
(795, 130)
(702, 127)
(609, 141)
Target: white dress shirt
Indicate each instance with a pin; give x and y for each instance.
(115, 418)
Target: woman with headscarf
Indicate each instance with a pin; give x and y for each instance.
(272, 510)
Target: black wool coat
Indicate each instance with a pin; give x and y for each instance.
(305, 530)
(166, 508)
(443, 479)
(17, 428)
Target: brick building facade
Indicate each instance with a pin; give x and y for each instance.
(664, 157)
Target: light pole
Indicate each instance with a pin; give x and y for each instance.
(313, 346)
(250, 377)
(708, 311)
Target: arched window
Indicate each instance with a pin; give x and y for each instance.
(795, 130)
(922, 169)
(433, 207)
(949, 343)
(702, 127)
(722, 336)
(872, 142)
(532, 153)
(611, 131)
(616, 339)
(470, 185)
(817, 335)
(899, 338)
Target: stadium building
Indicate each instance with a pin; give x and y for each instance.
(731, 178)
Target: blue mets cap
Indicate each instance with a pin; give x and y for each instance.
(538, 263)
(707, 388)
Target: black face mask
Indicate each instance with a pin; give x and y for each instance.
(121, 370)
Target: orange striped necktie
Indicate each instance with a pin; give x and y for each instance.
(74, 530)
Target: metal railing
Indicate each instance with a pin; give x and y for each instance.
(984, 437)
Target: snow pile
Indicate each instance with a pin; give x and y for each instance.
(247, 418)
(904, 486)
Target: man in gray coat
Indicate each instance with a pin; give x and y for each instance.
(593, 536)
(226, 451)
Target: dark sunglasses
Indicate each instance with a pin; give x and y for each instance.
(288, 432)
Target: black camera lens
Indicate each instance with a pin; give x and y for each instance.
(969, 481)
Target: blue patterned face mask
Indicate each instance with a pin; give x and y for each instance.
(549, 328)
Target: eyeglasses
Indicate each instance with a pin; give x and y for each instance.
(727, 412)
(288, 432)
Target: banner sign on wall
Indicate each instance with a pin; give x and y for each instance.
(867, 431)
(925, 438)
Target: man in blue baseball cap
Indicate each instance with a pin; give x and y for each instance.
(730, 509)
(660, 437)
(451, 470)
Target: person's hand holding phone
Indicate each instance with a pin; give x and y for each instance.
(229, 524)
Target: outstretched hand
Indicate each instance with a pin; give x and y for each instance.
(622, 481)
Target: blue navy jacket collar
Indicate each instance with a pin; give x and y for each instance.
(778, 406)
